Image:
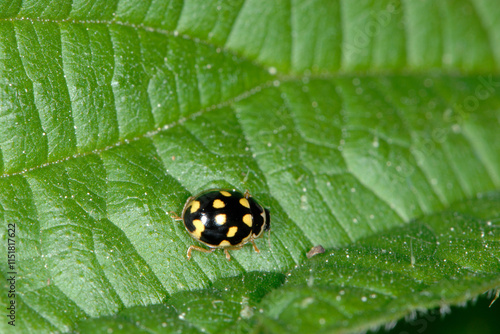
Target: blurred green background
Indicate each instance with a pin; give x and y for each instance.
(476, 317)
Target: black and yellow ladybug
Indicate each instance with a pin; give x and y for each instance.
(225, 219)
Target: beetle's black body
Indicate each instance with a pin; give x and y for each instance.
(224, 219)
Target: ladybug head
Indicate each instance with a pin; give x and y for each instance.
(267, 226)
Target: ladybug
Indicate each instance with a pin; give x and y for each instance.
(225, 219)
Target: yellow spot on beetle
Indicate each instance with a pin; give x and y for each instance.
(199, 228)
(225, 193)
(247, 219)
(232, 231)
(224, 243)
(218, 204)
(220, 219)
(195, 206)
(244, 202)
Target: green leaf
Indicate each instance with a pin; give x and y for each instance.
(361, 126)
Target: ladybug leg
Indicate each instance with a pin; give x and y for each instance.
(228, 256)
(247, 194)
(254, 246)
(198, 249)
(174, 215)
